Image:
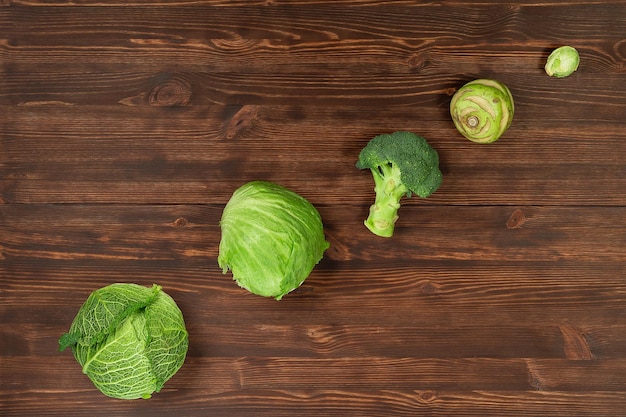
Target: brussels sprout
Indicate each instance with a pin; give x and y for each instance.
(271, 239)
(562, 62)
(482, 110)
(129, 339)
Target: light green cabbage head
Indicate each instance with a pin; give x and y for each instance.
(272, 238)
(129, 339)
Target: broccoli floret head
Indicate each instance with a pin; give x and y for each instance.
(402, 163)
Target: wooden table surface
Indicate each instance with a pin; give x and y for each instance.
(125, 127)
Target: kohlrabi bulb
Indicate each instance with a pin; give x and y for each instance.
(562, 62)
(482, 110)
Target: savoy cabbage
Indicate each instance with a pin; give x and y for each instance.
(129, 339)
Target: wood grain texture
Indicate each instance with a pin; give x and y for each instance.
(125, 126)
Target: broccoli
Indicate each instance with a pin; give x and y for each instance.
(401, 163)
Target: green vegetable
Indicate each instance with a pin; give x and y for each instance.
(482, 110)
(272, 238)
(562, 62)
(129, 339)
(401, 163)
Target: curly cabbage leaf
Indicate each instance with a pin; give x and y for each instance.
(129, 339)
(272, 238)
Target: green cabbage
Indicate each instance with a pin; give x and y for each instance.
(272, 238)
(129, 339)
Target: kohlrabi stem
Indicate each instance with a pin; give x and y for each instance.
(389, 190)
(472, 121)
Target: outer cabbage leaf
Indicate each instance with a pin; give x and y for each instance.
(129, 339)
(272, 238)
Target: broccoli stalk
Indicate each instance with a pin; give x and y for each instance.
(401, 163)
(389, 190)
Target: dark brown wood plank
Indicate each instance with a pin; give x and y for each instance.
(437, 296)
(343, 402)
(191, 155)
(261, 373)
(426, 56)
(374, 403)
(258, 383)
(424, 233)
(330, 21)
(429, 59)
(321, 338)
(117, 85)
(270, 3)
